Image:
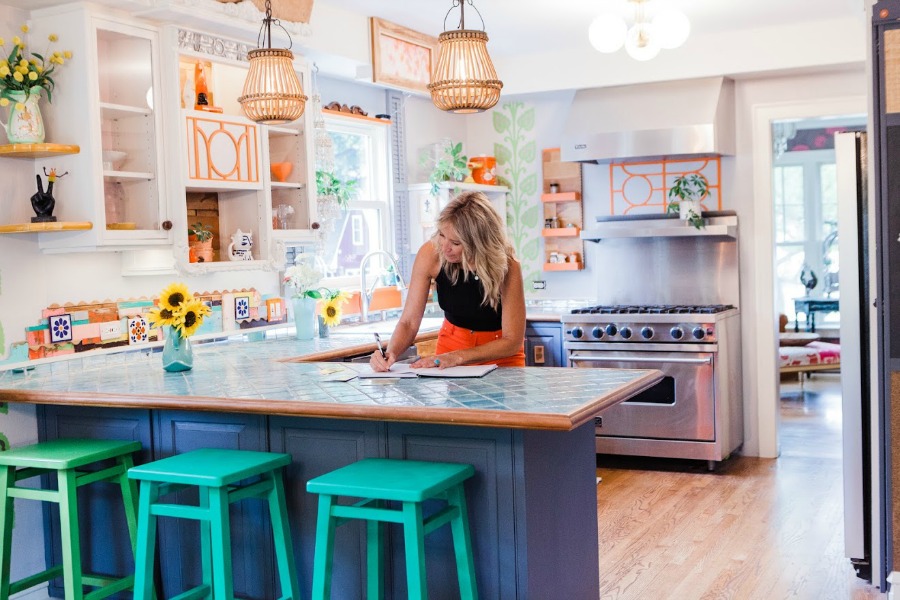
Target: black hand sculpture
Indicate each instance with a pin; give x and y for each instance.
(42, 203)
(809, 282)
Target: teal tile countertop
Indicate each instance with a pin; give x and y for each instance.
(245, 376)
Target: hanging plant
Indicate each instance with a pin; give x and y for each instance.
(328, 184)
(451, 166)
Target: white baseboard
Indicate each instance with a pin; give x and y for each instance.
(893, 578)
(35, 593)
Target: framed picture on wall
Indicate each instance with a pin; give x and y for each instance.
(401, 57)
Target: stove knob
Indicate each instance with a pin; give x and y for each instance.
(625, 332)
(597, 332)
(677, 333)
(577, 333)
(698, 333)
(646, 333)
(611, 330)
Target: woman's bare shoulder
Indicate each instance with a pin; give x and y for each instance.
(428, 259)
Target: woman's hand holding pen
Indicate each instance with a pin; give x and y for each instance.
(381, 359)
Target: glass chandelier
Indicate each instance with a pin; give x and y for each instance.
(272, 93)
(668, 29)
(464, 79)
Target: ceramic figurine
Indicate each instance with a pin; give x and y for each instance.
(43, 202)
(241, 246)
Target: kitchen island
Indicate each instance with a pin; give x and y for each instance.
(529, 433)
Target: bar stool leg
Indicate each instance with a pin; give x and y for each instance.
(146, 542)
(129, 498)
(375, 557)
(462, 544)
(70, 535)
(414, 541)
(322, 563)
(284, 550)
(7, 476)
(206, 568)
(221, 544)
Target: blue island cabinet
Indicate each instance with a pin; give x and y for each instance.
(532, 502)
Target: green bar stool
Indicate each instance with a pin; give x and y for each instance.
(218, 475)
(410, 483)
(65, 458)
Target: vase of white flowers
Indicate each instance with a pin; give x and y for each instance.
(304, 278)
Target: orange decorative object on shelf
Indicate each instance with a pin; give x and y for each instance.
(281, 170)
(483, 169)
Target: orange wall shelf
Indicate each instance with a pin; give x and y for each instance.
(563, 213)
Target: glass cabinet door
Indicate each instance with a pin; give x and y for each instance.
(129, 132)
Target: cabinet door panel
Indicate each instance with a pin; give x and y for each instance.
(319, 446)
(104, 533)
(491, 505)
(251, 538)
(222, 150)
(543, 345)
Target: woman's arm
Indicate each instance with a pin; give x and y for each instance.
(423, 271)
(510, 341)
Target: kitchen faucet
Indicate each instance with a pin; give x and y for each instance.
(365, 294)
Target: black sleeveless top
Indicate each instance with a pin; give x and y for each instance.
(461, 304)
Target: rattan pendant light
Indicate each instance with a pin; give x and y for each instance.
(272, 93)
(464, 79)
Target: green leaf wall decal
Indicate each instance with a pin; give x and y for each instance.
(526, 121)
(501, 122)
(502, 154)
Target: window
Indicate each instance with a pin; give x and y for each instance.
(361, 152)
(805, 226)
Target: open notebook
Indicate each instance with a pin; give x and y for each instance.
(404, 370)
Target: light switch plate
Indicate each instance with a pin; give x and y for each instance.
(539, 284)
(110, 330)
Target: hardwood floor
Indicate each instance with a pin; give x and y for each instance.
(753, 529)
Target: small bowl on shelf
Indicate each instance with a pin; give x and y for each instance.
(281, 171)
(113, 159)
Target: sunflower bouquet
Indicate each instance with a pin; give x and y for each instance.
(179, 309)
(332, 307)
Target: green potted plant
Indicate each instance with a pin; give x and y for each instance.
(450, 166)
(200, 238)
(684, 198)
(328, 184)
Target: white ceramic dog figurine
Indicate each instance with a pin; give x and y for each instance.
(241, 246)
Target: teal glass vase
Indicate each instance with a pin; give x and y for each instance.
(304, 317)
(177, 354)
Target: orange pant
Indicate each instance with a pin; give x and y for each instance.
(452, 338)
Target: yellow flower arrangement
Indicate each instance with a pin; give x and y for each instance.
(22, 73)
(332, 309)
(179, 308)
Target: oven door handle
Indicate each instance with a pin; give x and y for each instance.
(687, 361)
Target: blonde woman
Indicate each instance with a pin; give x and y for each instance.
(479, 287)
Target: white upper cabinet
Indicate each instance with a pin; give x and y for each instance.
(108, 101)
(230, 174)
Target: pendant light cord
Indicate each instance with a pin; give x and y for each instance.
(462, 13)
(265, 32)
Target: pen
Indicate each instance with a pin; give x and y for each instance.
(380, 347)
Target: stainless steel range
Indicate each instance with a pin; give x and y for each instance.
(670, 297)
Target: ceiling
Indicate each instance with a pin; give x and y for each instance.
(526, 26)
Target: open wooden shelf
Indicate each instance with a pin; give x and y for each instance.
(36, 150)
(560, 231)
(562, 197)
(338, 113)
(42, 227)
(564, 266)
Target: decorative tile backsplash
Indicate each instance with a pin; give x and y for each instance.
(87, 326)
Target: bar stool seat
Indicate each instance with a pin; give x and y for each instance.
(65, 457)
(218, 476)
(410, 483)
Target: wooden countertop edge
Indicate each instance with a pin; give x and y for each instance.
(289, 408)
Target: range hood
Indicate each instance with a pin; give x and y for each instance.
(684, 119)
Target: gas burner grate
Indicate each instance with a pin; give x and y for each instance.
(657, 309)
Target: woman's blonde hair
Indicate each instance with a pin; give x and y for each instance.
(486, 250)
